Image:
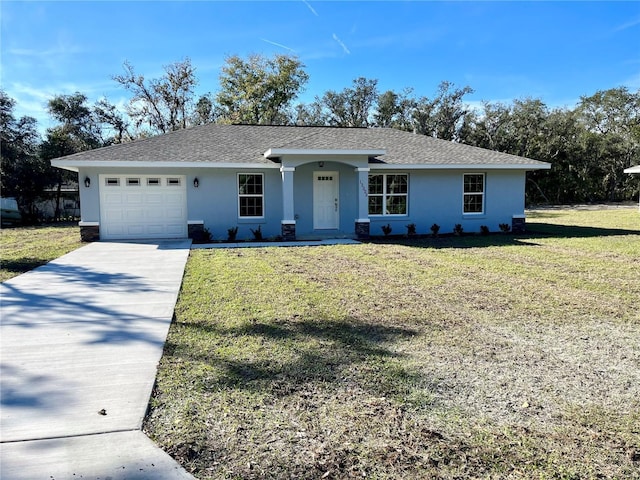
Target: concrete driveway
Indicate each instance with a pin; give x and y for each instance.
(80, 340)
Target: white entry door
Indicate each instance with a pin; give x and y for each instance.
(326, 201)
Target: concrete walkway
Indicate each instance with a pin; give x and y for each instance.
(80, 340)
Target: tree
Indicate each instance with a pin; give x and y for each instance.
(443, 116)
(23, 174)
(205, 111)
(164, 104)
(260, 90)
(395, 110)
(611, 138)
(351, 107)
(106, 114)
(78, 131)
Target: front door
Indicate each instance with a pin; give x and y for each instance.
(326, 201)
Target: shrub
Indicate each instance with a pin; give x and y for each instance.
(386, 229)
(203, 237)
(457, 229)
(411, 229)
(257, 233)
(484, 230)
(435, 228)
(505, 227)
(231, 234)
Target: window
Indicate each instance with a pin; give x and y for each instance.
(112, 182)
(388, 194)
(153, 182)
(133, 182)
(251, 194)
(173, 182)
(473, 196)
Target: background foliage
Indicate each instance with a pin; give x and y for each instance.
(588, 146)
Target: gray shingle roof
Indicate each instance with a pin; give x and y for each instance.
(246, 144)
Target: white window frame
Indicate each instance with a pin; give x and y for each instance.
(250, 195)
(384, 195)
(466, 194)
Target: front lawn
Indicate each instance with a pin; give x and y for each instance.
(25, 248)
(474, 357)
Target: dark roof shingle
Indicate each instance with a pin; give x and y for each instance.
(246, 144)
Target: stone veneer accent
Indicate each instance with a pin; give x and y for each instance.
(195, 232)
(363, 230)
(90, 233)
(288, 231)
(518, 224)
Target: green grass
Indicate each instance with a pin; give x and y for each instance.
(25, 248)
(473, 357)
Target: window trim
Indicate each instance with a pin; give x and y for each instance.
(252, 195)
(466, 194)
(384, 195)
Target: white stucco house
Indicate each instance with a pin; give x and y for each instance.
(294, 182)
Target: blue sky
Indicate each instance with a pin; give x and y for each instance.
(555, 51)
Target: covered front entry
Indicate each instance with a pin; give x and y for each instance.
(143, 206)
(326, 200)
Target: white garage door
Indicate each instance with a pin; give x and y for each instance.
(143, 206)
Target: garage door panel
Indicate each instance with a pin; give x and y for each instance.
(132, 215)
(174, 213)
(112, 216)
(153, 198)
(174, 229)
(114, 198)
(143, 210)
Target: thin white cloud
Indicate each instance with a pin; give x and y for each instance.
(278, 45)
(57, 50)
(341, 43)
(310, 8)
(625, 26)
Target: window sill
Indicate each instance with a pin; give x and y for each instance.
(248, 220)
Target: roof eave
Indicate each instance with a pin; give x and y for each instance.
(281, 152)
(461, 166)
(75, 165)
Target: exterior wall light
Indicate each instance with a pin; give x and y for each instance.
(87, 182)
(321, 164)
(196, 182)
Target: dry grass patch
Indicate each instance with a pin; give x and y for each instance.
(478, 357)
(25, 248)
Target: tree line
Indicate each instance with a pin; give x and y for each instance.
(588, 145)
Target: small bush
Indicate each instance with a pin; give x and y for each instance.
(231, 234)
(257, 233)
(505, 227)
(386, 229)
(484, 230)
(411, 229)
(435, 228)
(457, 229)
(203, 237)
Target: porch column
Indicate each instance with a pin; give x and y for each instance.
(288, 223)
(363, 222)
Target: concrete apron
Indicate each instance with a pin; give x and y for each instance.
(80, 341)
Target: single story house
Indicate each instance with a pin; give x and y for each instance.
(633, 170)
(294, 183)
